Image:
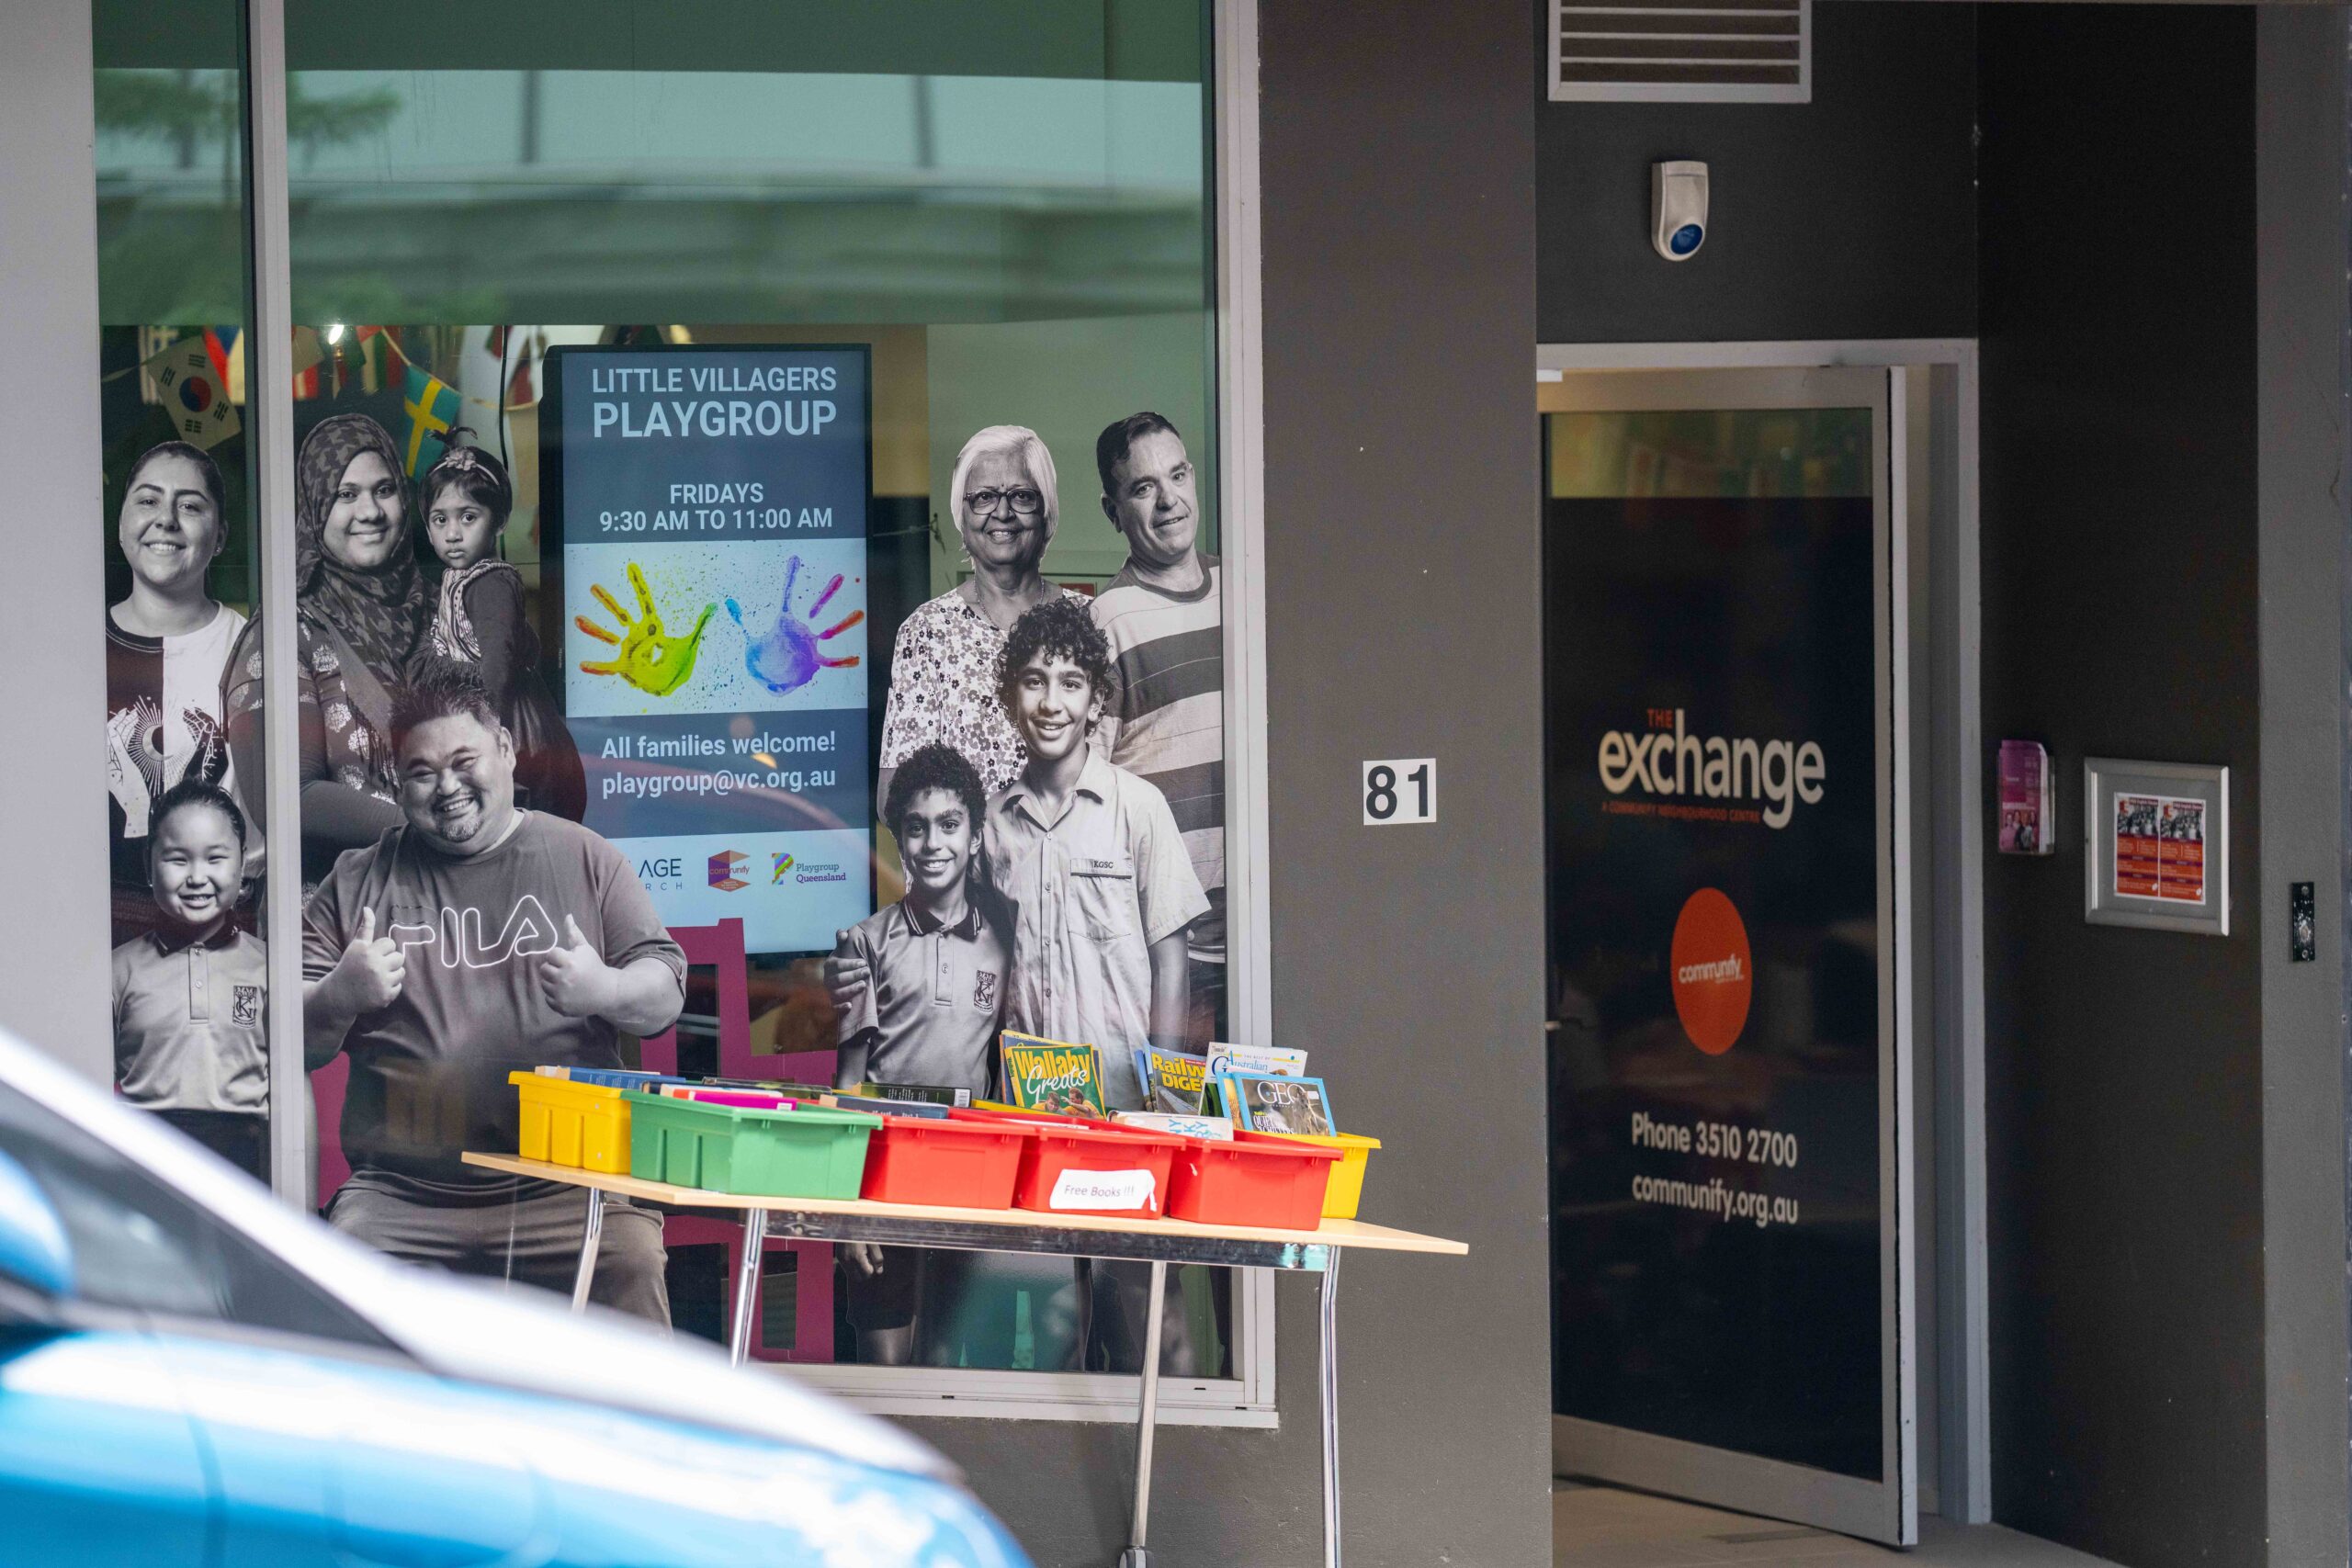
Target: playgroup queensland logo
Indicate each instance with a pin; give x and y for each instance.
(783, 864)
(724, 865)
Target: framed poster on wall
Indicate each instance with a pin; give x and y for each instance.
(725, 752)
(2157, 845)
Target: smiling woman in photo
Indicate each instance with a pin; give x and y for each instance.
(361, 618)
(942, 671)
(166, 642)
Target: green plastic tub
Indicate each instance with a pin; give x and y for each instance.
(810, 1151)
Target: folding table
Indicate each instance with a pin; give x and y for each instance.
(1158, 1242)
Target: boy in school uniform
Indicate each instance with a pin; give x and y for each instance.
(191, 1037)
(929, 971)
(921, 1001)
(1102, 891)
(1089, 858)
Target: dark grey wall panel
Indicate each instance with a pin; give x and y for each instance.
(1401, 572)
(1404, 621)
(2300, 149)
(2119, 528)
(1852, 215)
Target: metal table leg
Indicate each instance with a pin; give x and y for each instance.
(1330, 1379)
(590, 1237)
(1135, 1556)
(747, 1284)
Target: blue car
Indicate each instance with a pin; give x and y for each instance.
(191, 1376)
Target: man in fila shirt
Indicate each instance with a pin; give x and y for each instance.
(474, 941)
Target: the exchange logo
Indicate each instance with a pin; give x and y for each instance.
(1712, 972)
(723, 867)
(1668, 762)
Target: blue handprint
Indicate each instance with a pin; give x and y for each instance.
(788, 656)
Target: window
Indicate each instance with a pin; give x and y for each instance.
(179, 542)
(991, 232)
(139, 1246)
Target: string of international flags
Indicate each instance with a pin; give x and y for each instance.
(199, 380)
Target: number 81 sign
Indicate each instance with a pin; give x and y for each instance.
(1397, 790)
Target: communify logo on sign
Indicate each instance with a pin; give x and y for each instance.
(1713, 974)
(1667, 760)
(724, 868)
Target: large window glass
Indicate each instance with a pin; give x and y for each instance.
(722, 396)
(190, 988)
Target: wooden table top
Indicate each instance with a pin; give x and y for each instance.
(1350, 1234)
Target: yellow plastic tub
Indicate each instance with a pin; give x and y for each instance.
(563, 1122)
(1344, 1190)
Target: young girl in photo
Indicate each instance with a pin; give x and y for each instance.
(481, 621)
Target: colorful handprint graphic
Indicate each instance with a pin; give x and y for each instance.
(788, 656)
(650, 659)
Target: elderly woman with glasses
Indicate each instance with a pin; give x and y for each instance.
(943, 674)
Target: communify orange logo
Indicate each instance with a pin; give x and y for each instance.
(1713, 977)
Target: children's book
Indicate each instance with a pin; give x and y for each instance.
(1275, 1059)
(1269, 1102)
(1172, 1080)
(1050, 1075)
(879, 1105)
(938, 1094)
(1217, 1129)
(810, 1092)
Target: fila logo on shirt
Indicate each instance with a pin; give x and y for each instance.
(459, 935)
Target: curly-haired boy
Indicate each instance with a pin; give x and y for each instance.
(1089, 857)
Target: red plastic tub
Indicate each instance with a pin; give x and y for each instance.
(1257, 1179)
(930, 1159)
(1069, 1166)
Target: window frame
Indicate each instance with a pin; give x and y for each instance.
(1248, 1397)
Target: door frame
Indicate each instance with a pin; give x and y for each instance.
(1933, 442)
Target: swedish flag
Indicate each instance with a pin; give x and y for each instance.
(432, 407)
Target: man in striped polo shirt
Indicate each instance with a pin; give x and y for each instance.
(1164, 617)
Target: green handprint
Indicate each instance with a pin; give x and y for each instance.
(648, 659)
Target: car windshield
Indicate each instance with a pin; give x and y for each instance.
(142, 1246)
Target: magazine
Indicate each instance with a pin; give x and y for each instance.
(1172, 1080)
(1279, 1060)
(1050, 1075)
(1269, 1102)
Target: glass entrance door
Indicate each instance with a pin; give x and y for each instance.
(1732, 1315)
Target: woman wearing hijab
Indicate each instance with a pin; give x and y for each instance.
(360, 618)
(942, 673)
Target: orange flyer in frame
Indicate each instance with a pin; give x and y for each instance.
(2180, 849)
(2159, 847)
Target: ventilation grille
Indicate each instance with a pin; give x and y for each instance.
(1742, 52)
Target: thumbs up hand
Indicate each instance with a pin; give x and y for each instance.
(574, 977)
(372, 968)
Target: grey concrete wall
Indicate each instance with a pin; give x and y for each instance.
(2122, 507)
(1850, 216)
(53, 934)
(1402, 601)
(2301, 303)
